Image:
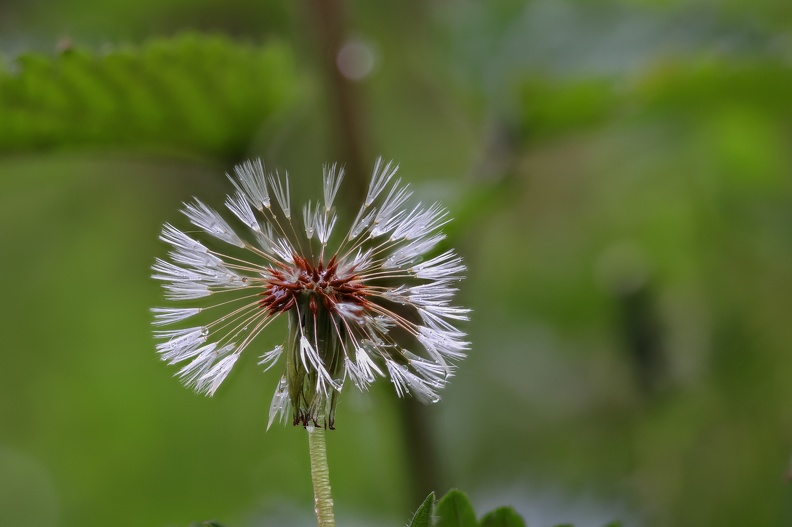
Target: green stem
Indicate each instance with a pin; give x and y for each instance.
(320, 475)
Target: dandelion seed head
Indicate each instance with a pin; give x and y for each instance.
(375, 301)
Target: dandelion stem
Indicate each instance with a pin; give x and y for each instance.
(320, 474)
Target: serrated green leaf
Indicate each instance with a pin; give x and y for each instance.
(502, 517)
(423, 516)
(195, 93)
(454, 510)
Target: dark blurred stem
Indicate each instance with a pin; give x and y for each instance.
(353, 141)
(643, 336)
(344, 96)
(320, 476)
(420, 447)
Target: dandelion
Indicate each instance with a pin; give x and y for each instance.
(374, 301)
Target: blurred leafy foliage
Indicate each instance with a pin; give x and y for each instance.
(664, 196)
(690, 90)
(192, 93)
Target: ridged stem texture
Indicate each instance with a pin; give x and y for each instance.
(320, 475)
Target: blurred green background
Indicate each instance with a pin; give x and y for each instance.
(620, 177)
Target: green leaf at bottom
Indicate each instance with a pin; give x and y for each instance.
(454, 510)
(423, 516)
(502, 517)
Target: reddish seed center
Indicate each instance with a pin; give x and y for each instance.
(323, 284)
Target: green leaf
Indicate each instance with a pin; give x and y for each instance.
(502, 517)
(193, 93)
(423, 516)
(454, 510)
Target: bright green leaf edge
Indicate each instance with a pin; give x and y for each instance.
(423, 516)
(193, 93)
